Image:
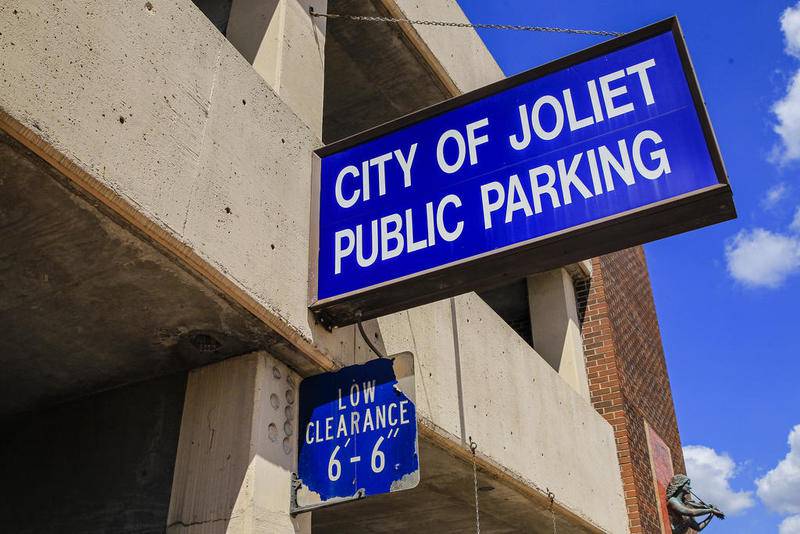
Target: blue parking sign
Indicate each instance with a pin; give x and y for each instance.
(358, 432)
(595, 152)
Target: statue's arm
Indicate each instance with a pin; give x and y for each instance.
(703, 524)
(683, 509)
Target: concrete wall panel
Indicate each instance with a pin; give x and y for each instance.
(521, 413)
(533, 422)
(121, 89)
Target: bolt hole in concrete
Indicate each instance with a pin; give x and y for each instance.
(276, 372)
(290, 396)
(287, 445)
(288, 412)
(274, 401)
(272, 432)
(287, 428)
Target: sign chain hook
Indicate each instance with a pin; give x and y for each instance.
(473, 447)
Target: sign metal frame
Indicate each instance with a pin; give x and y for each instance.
(654, 221)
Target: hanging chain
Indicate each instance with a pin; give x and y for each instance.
(552, 497)
(473, 447)
(517, 27)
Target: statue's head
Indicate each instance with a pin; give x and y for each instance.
(679, 486)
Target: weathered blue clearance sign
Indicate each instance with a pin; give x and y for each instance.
(605, 149)
(358, 432)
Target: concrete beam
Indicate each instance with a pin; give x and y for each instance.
(286, 46)
(556, 328)
(236, 450)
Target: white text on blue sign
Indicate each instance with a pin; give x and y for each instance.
(597, 139)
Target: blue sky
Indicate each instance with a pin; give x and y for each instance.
(726, 295)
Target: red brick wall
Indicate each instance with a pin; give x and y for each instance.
(627, 374)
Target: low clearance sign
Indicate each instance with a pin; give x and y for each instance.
(604, 149)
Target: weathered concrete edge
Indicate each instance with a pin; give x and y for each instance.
(185, 256)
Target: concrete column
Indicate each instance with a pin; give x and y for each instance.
(556, 330)
(236, 450)
(286, 46)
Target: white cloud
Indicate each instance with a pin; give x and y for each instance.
(790, 525)
(711, 475)
(780, 487)
(759, 257)
(790, 24)
(795, 226)
(787, 109)
(774, 195)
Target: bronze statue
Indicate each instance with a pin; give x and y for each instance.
(683, 509)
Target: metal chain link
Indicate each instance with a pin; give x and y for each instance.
(473, 447)
(517, 27)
